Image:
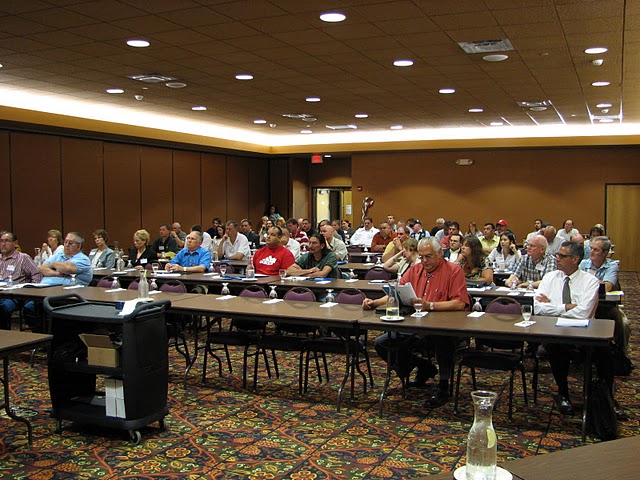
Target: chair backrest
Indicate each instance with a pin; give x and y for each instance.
(106, 282)
(201, 289)
(173, 286)
(134, 285)
(377, 273)
(352, 296)
(230, 268)
(504, 305)
(354, 248)
(253, 291)
(300, 294)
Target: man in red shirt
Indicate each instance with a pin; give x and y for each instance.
(273, 257)
(443, 287)
(383, 238)
(297, 233)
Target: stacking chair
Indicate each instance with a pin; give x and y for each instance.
(377, 273)
(105, 282)
(343, 341)
(241, 333)
(509, 358)
(175, 322)
(291, 337)
(134, 284)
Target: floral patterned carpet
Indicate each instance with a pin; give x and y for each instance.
(218, 430)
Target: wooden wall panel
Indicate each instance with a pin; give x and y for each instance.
(186, 188)
(280, 186)
(214, 188)
(36, 187)
(122, 210)
(300, 191)
(156, 187)
(333, 172)
(237, 187)
(82, 187)
(259, 189)
(5, 182)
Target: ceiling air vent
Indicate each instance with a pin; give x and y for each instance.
(151, 78)
(544, 103)
(341, 127)
(299, 116)
(486, 46)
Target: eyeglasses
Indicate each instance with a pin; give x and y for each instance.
(563, 256)
(71, 242)
(426, 257)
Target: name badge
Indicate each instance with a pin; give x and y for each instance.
(11, 268)
(143, 261)
(540, 267)
(161, 248)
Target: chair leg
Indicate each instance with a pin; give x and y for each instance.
(473, 378)
(524, 384)
(513, 372)
(534, 382)
(457, 395)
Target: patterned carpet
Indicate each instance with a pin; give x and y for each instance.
(219, 430)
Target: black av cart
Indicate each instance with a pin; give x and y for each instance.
(139, 366)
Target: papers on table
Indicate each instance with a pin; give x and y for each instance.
(211, 274)
(154, 292)
(114, 290)
(475, 314)
(373, 282)
(328, 305)
(71, 287)
(351, 280)
(119, 273)
(225, 297)
(296, 279)
(524, 323)
(161, 274)
(323, 282)
(570, 322)
(419, 314)
(130, 305)
(22, 285)
(273, 300)
(477, 289)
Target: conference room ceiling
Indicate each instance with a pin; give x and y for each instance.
(76, 50)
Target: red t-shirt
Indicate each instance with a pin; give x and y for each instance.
(268, 261)
(446, 282)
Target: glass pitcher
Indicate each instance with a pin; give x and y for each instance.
(482, 444)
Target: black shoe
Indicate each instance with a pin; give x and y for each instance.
(426, 370)
(565, 406)
(439, 398)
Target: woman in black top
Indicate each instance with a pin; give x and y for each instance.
(141, 254)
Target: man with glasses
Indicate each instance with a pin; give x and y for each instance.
(443, 287)
(532, 267)
(193, 258)
(17, 267)
(570, 293)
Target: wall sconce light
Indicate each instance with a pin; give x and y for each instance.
(464, 162)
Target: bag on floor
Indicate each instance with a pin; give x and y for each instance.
(601, 414)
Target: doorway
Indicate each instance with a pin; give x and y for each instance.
(332, 203)
(622, 222)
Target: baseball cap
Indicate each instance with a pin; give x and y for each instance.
(502, 222)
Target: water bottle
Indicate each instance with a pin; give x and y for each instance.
(482, 442)
(120, 262)
(250, 273)
(393, 308)
(10, 280)
(143, 286)
(214, 255)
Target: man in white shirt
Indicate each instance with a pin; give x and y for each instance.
(553, 240)
(570, 293)
(334, 243)
(233, 245)
(567, 231)
(364, 234)
(452, 253)
(537, 226)
(289, 243)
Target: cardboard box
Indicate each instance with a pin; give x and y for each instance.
(101, 351)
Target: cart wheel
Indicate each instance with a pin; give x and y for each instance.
(135, 437)
(163, 425)
(58, 426)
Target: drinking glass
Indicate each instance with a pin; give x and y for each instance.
(352, 274)
(329, 298)
(223, 270)
(155, 266)
(116, 283)
(527, 311)
(225, 289)
(73, 280)
(273, 294)
(418, 304)
(477, 306)
(283, 274)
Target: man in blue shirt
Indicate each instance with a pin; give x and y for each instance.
(600, 265)
(60, 268)
(194, 258)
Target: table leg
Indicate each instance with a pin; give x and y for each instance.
(387, 380)
(7, 407)
(585, 391)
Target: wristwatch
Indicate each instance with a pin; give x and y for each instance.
(432, 307)
(184, 269)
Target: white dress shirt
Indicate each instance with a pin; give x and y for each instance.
(294, 247)
(363, 236)
(584, 295)
(240, 245)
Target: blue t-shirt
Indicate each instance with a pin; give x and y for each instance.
(83, 267)
(186, 258)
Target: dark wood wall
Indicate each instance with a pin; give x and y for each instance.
(51, 181)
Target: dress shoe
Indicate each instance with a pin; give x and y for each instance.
(565, 406)
(439, 398)
(426, 370)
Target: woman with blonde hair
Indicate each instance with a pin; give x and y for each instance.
(141, 254)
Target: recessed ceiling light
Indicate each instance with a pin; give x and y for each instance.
(138, 43)
(244, 76)
(604, 105)
(538, 109)
(327, 156)
(199, 108)
(495, 58)
(403, 63)
(306, 131)
(259, 120)
(313, 99)
(595, 50)
(176, 84)
(396, 127)
(361, 115)
(606, 120)
(600, 84)
(476, 110)
(496, 124)
(333, 17)
(447, 90)
(115, 90)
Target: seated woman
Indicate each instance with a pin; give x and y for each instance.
(596, 231)
(473, 231)
(102, 256)
(217, 237)
(347, 231)
(506, 254)
(473, 261)
(53, 244)
(318, 262)
(401, 261)
(141, 254)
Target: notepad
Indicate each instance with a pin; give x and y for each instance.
(475, 314)
(571, 322)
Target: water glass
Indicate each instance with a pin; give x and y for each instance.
(225, 289)
(418, 304)
(73, 280)
(223, 270)
(283, 274)
(273, 294)
(527, 311)
(155, 266)
(329, 298)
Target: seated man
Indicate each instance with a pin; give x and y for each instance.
(17, 266)
(572, 293)
(334, 242)
(165, 242)
(489, 239)
(454, 229)
(193, 258)
(533, 266)
(296, 233)
(395, 246)
(364, 235)
(553, 241)
(383, 238)
(233, 245)
(417, 232)
(567, 231)
(273, 256)
(318, 262)
(289, 243)
(443, 287)
(247, 230)
(178, 234)
(60, 269)
(455, 244)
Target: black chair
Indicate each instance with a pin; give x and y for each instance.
(175, 322)
(501, 355)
